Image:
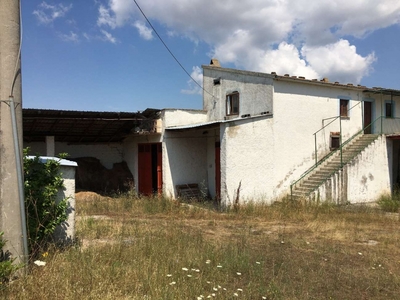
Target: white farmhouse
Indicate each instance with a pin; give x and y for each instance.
(261, 137)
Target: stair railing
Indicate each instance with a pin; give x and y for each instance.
(318, 163)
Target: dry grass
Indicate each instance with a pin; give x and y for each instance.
(132, 248)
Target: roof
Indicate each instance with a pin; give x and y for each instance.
(63, 162)
(211, 124)
(301, 79)
(84, 126)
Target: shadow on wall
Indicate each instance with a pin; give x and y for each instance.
(91, 175)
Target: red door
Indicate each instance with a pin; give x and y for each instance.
(217, 171)
(144, 168)
(150, 168)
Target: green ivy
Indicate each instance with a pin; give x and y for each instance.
(43, 181)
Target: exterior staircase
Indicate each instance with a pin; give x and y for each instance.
(316, 177)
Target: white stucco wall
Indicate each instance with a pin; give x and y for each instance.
(255, 90)
(176, 117)
(108, 154)
(298, 113)
(184, 160)
(366, 178)
(65, 233)
(247, 159)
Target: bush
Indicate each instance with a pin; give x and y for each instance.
(43, 181)
(390, 203)
(7, 268)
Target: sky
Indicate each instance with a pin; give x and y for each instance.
(103, 55)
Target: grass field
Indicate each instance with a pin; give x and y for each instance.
(150, 248)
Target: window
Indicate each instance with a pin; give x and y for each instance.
(389, 109)
(232, 104)
(335, 140)
(344, 108)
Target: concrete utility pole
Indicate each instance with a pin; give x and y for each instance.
(10, 85)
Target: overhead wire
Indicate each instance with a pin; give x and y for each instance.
(169, 50)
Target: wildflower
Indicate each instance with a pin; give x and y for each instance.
(264, 298)
(197, 270)
(208, 282)
(39, 263)
(282, 242)
(172, 283)
(185, 269)
(224, 289)
(219, 286)
(240, 290)
(169, 275)
(208, 261)
(189, 275)
(215, 289)
(45, 254)
(213, 294)
(359, 253)
(258, 263)
(219, 266)
(238, 273)
(236, 294)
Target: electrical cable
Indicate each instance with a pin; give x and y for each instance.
(170, 52)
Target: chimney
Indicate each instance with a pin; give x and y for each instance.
(215, 63)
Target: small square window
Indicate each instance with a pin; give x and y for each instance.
(335, 141)
(344, 108)
(232, 104)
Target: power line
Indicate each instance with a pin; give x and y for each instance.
(170, 52)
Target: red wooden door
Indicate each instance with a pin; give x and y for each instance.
(144, 168)
(217, 171)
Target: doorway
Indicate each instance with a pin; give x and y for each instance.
(150, 168)
(367, 117)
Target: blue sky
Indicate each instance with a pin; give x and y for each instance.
(101, 55)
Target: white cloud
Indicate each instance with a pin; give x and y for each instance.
(71, 37)
(302, 37)
(108, 37)
(144, 31)
(340, 60)
(197, 75)
(46, 13)
(105, 17)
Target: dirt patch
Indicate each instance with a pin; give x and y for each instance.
(88, 196)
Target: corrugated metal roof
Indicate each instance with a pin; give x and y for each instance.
(84, 126)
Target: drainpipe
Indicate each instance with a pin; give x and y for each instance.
(18, 165)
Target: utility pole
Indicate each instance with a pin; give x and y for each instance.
(11, 143)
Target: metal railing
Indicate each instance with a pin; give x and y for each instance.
(387, 126)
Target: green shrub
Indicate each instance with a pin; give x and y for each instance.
(389, 203)
(43, 181)
(7, 267)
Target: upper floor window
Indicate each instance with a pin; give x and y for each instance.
(344, 108)
(232, 104)
(389, 109)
